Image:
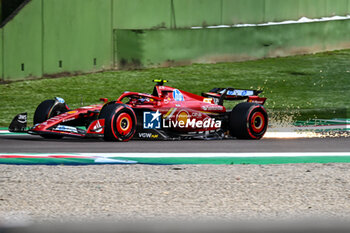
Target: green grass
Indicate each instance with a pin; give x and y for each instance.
(308, 84)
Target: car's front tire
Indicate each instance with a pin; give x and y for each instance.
(46, 110)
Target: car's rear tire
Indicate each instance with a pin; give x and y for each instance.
(248, 121)
(46, 110)
(120, 122)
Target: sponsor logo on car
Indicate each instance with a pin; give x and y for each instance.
(65, 128)
(22, 119)
(51, 120)
(238, 92)
(256, 101)
(152, 120)
(148, 135)
(193, 123)
(182, 116)
(207, 100)
(69, 119)
(212, 108)
(60, 100)
(97, 128)
(178, 95)
(197, 114)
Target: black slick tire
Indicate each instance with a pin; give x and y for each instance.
(120, 122)
(46, 110)
(248, 121)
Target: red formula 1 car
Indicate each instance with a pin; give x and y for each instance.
(167, 114)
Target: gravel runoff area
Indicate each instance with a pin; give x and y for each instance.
(124, 192)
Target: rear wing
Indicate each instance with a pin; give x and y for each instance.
(221, 94)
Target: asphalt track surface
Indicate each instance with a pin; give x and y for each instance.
(36, 144)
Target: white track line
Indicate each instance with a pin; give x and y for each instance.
(188, 155)
(226, 155)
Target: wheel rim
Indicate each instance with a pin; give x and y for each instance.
(124, 124)
(257, 122)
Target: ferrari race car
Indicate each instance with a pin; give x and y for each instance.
(166, 114)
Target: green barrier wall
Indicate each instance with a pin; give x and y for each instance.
(22, 38)
(307, 8)
(167, 47)
(77, 35)
(138, 14)
(189, 13)
(243, 11)
(337, 7)
(128, 43)
(150, 14)
(279, 10)
(48, 37)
